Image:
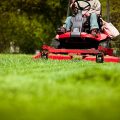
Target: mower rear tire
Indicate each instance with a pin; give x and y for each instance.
(55, 43)
(105, 44)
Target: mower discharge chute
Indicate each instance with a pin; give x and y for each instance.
(79, 43)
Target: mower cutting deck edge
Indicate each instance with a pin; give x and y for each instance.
(49, 52)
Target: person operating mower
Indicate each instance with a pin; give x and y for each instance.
(92, 13)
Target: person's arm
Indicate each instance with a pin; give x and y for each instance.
(96, 7)
(72, 3)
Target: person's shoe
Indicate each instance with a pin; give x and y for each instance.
(94, 32)
(61, 30)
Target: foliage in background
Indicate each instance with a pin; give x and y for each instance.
(30, 23)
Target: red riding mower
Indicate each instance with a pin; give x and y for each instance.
(79, 43)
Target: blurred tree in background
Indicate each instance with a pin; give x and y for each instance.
(31, 23)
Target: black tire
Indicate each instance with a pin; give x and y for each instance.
(105, 44)
(44, 57)
(99, 58)
(55, 43)
(44, 54)
(116, 53)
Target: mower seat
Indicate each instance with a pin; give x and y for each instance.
(77, 22)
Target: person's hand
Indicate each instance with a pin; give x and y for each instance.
(72, 6)
(87, 14)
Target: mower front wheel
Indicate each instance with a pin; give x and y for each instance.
(44, 54)
(99, 58)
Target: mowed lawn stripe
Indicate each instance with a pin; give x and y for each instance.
(58, 90)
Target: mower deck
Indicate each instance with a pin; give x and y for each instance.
(74, 54)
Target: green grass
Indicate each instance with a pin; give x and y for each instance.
(58, 90)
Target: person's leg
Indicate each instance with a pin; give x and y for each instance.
(93, 21)
(68, 23)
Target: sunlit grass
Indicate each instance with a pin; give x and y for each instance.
(58, 90)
